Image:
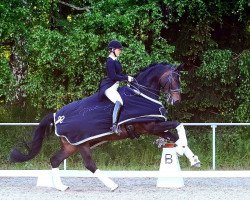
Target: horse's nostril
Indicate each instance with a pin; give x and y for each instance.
(176, 102)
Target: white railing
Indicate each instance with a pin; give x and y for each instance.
(212, 125)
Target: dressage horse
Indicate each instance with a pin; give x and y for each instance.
(143, 113)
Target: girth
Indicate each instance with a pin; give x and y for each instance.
(131, 131)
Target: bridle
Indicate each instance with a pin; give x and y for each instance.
(168, 77)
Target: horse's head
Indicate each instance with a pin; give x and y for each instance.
(170, 83)
(158, 76)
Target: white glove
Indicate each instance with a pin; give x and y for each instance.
(130, 78)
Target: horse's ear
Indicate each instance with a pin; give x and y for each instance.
(180, 67)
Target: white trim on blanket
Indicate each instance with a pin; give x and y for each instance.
(155, 116)
(82, 141)
(103, 134)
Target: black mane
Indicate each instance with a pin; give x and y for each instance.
(153, 66)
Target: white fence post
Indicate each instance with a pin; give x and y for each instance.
(214, 145)
(65, 164)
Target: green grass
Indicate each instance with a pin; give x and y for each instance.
(232, 151)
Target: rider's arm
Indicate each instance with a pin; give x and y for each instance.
(114, 71)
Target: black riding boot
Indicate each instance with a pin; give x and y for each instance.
(116, 113)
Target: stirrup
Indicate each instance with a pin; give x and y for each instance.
(115, 129)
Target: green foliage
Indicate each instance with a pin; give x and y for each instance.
(65, 49)
(216, 64)
(233, 147)
(196, 9)
(201, 9)
(207, 40)
(243, 92)
(67, 65)
(225, 91)
(5, 77)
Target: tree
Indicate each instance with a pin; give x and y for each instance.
(58, 49)
(212, 38)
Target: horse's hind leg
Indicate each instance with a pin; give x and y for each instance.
(85, 151)
(65, 151)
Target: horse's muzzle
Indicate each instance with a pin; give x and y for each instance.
(174, 103)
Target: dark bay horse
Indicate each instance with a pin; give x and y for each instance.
(149, 82)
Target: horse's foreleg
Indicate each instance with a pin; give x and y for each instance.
(162, 129)
(85, 151)
(166, 126)
(167, 135)
(182, 147)
(182, 141)
(194, 160)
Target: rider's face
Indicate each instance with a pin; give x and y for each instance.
(118, 52)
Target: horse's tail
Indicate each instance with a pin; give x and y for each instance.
(35, 145)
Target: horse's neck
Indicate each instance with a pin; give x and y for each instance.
(150, 89)
(150, 81)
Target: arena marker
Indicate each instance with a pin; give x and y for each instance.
(169, 164)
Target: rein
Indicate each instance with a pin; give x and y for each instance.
(149, 90)
(138, 92)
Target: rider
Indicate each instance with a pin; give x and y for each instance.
(110, 84)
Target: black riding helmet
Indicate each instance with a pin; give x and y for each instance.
(114, 44)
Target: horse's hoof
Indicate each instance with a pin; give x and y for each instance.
(195, 162)
(197, 165)
(61, 187)
(114, 188)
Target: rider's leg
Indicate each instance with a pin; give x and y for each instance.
(116, 113)
(115, 97)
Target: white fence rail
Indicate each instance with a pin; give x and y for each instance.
(129, 174)
(212, 125)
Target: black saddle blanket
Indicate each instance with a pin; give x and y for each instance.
(90, 118)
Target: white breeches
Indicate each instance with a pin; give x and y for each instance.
(113, 94)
